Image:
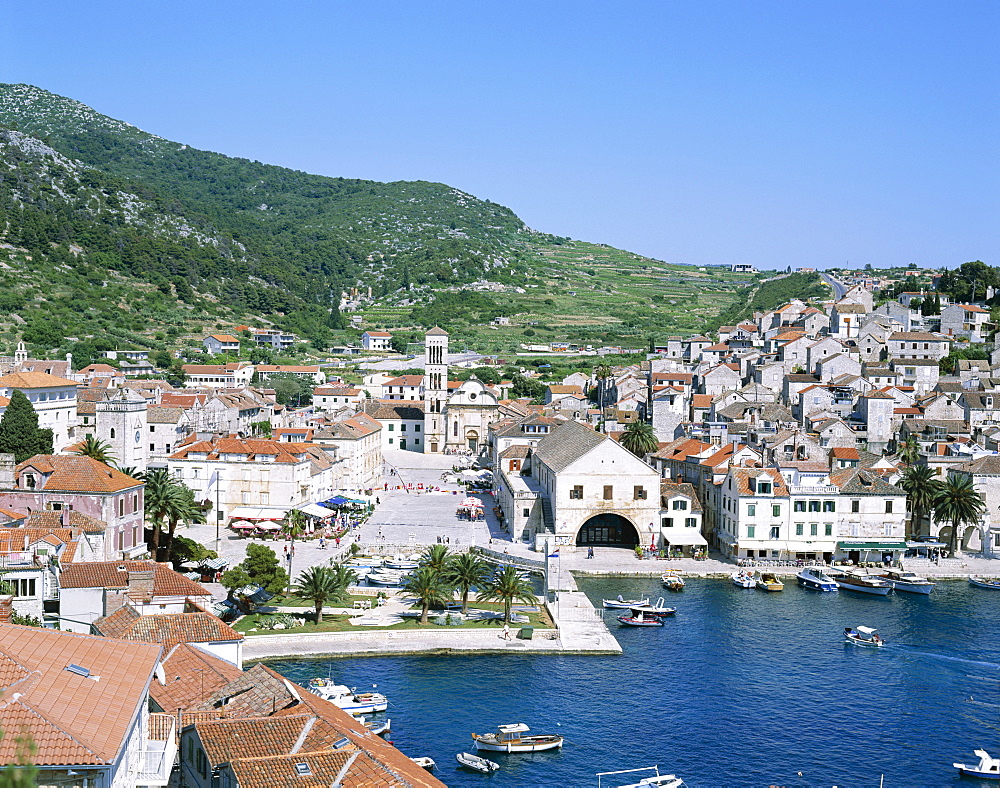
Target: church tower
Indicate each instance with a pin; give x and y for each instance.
(121, 422)
(435, 389)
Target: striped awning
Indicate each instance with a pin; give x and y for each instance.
(872, 545)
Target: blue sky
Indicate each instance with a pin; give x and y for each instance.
(774, 133)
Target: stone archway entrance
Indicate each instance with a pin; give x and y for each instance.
(607, 530)
(472, 440)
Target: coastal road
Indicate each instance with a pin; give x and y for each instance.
(839, 288)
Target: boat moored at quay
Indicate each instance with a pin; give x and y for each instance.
(815, 578)
(910, 582)
(862, 582)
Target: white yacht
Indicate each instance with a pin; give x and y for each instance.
(908, 581)
(348, 698)
(859, 580)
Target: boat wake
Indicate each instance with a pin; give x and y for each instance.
(948, 657)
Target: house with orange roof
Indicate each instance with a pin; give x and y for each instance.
(330, 398)
(410, 387)
(234, 473)
(311, 372)
(217, 376)
(52, 397)
(357, 442)
(92, 590)
(966, 320)
(221, 343)
(52, 483)
(376, 341)
(84, 703)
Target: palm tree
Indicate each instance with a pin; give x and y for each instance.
(467, 571)
(95, 449)
(508, 586)
(922, 489)
(909, 450)
(435, 557)
(293, 526)
(430, 588)
(602, 372)
(639, 439)
(320, 584)
(344, 574)
(160, 495)
(958, 503)
(182, 508)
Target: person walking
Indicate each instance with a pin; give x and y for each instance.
(590, 552)
(506, 632)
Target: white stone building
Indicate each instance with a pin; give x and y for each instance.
(54, 400)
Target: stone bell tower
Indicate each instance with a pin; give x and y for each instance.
(435, 389)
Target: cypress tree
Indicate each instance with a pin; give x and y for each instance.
(19, 432)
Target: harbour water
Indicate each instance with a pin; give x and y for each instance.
(740, 688)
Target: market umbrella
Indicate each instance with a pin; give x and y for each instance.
(336, 501)
(268, 526)
(242, 524)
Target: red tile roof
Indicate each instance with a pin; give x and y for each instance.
(72, 719)
(115, 574)
(77, 474)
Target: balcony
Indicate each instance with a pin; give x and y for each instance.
(813, 489)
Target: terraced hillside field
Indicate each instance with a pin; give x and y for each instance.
(583, 293)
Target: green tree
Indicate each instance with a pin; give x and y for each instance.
(182, 509)
(435, 557)
(96, 449)
(293, 526)
(922, 489)
(508, 586)
(639, 439)
(909, 450)
(188, 551)
(264, 569)
(958, 503)
(429, 587)
(233, 580)
(467, 571)
(319, 585)
(161, 496)
(19, 431)
(603, 373)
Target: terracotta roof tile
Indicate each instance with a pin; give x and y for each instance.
(115, 574)
(34, 380)
(77, 474)
(168, 629)
(73, 719)
(190, 676)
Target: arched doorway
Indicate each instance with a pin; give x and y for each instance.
(472, 440)
(607, 530)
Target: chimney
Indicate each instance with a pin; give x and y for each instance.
(64, 516)
(140, 582)
(6, 608)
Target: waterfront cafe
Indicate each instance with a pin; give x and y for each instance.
(884, 551)
(251, 521)
(683, 539)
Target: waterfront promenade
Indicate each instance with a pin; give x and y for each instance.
(411, 514)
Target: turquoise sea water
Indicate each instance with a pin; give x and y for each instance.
(741, 688)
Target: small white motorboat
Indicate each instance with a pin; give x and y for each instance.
(383, 578)
(656, 779)
(859, 580)
(379, 728)
(992, 583)
(632, 619)
(658, 610)
(672, 581)
(815, 578)
(768, 581)
(909, 582)
(348, 698)
(401, 563)
(743, 579)
(474, 762)
(515, 738)
(624, 604)
(424, 761)
(987, 769)
(863, 636)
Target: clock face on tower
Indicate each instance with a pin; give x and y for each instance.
(138, 436)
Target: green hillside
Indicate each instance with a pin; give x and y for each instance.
(111, 231)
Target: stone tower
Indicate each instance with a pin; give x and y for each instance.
(121, 423)
(435, 389)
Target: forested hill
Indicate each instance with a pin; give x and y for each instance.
(275, 236)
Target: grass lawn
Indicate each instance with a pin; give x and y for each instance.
(540, 620)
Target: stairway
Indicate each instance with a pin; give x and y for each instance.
(548, 520)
